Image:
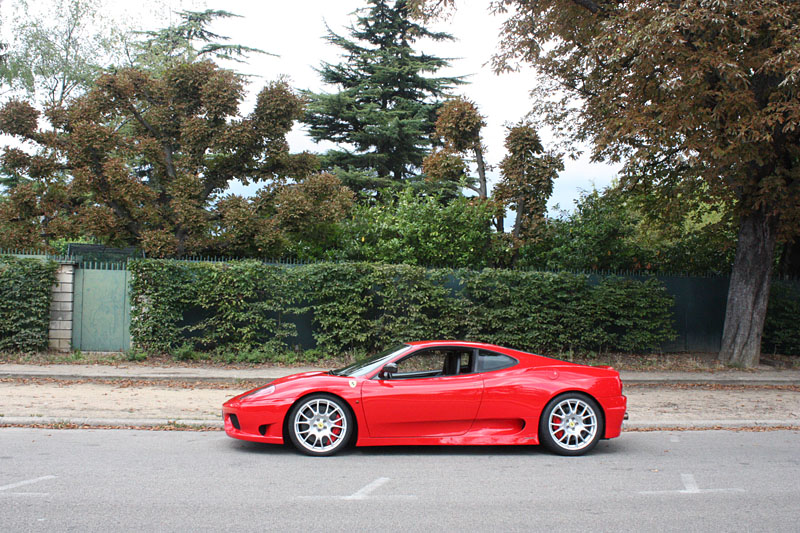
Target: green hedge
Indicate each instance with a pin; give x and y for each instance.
(361, 307)
(25, 288)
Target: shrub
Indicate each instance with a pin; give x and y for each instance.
(258, 311)
(25, 288)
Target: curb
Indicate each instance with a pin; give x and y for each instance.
(9, 421)
(755, 381)
(673, 425)
(138, 377)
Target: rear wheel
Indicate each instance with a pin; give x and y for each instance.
(571, 424)
(320, 424)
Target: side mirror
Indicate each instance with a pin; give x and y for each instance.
(388, 370)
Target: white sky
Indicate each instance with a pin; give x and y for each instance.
(294, 30)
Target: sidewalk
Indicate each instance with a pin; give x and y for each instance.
(105, 395)
(268, 373)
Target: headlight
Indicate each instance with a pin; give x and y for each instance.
(263, 391)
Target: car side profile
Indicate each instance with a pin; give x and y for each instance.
(436, 392)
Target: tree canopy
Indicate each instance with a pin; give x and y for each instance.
(384, 110)
(140, 159)
(187, 41)
(53, 58)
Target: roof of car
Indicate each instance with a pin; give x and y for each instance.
(459, 343)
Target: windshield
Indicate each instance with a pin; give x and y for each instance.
(365, 366)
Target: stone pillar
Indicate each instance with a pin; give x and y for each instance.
(61, 307)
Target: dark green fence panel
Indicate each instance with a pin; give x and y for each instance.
(102, 311)
(699, 312)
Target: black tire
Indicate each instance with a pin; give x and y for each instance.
(571, 424)
(320, 424)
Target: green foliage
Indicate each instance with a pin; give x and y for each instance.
(610, 230)
(188, 41)
(53, 58)
(250, 312)
(526, 310)
(781, 327)
(244, 305)
(135, 354)
(185, 352)
(422, 231)
(415, 303)
(340, 299)
(25, 287)
(630, 315)
(160, 293)
(385, 102)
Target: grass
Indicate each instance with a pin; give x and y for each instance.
(51, 357)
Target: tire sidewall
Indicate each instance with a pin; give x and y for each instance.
(349, 424)
(544, 431)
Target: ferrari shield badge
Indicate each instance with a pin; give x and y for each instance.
(353, 383)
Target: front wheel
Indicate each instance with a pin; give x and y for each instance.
(571, 424)
(320, 424)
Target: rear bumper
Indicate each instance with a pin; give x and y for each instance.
(615, 409)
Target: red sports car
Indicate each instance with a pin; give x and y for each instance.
(436, 392)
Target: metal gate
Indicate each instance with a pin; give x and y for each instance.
(102, 311)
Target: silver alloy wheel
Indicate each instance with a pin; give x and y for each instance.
(572, 424)
(320, 425)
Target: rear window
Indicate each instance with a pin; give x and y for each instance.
(488, 361)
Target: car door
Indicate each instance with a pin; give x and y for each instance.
(435, 393)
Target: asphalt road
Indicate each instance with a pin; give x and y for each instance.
(99, 480)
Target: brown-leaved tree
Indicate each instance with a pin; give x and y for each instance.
(527, 179)
(700, 98)
(142, 158)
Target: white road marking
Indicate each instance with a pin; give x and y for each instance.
(674, 438)
(689, 487)
(690, 484)
(26, 482)
(364, 493)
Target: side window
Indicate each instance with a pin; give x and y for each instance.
(488, 361)
(434, 363)
(424, 364)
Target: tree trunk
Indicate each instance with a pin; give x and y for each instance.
(482, 191)
(748, 293)
(518, 220)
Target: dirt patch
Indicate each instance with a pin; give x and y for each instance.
(111, 401)
(676, 404)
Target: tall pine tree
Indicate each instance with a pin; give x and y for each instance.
(385, 110)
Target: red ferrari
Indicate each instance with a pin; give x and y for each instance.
(436, 392)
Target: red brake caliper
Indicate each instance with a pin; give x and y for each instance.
(556, 423)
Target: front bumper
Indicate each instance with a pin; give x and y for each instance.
(261, 422)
